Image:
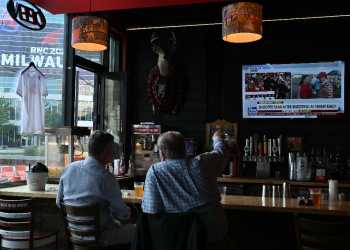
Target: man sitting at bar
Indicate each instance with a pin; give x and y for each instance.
(177, 185)
(87, 182)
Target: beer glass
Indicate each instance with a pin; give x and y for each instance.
(138, 188)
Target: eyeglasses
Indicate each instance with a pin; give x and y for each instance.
(306, 203)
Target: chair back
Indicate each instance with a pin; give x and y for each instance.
(8, 171)
(86, 211)
(17, 218)
(20, 169)
(169, 231)
(318, 233)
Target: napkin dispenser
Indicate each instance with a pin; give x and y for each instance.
(263, 169)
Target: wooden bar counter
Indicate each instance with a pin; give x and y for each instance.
(277, 181)
(251, 203)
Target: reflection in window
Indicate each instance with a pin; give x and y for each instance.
(18, 47)
(84, 115)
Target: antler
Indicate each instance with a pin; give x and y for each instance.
(172, 39)
(153, 38)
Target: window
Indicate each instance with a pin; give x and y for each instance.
(18, 47)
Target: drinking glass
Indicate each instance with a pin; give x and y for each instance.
(222, 192)
(315, 195)
(138, 188)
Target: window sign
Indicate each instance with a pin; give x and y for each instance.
(27, 15)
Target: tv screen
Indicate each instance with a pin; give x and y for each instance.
(302, 90)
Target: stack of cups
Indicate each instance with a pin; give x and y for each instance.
(292, 174)
(286, 190)
(333, 190)
(265, 191)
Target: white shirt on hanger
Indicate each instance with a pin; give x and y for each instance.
(32, 88)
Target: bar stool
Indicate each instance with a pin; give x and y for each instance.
(90, 238)
(17, 226)
(183, 231)
(318, 233)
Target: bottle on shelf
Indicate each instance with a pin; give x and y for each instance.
(326, 164)
(131, 168)
(122, 167)
(318, 157)
(313, 165)
(342, 168)
(321, 162)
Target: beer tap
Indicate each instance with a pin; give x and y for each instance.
(279, 140)
(246, 148)
(251, 145)
(274, 148)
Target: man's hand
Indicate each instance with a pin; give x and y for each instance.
(219, 134)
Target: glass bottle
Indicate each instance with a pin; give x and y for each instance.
(131, 168)
(342, 169)
(326, 164)
(318, 158)
(313, 165)
(122, 168)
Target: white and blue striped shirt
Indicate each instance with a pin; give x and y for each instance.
(87, 182)
(181, 185)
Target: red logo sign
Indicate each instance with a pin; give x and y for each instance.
(51, 38)
(145, 130)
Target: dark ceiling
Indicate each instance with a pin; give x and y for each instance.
(174, 12)
(211, 12)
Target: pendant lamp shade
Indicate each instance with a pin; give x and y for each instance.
(90, 33)
(242, 22)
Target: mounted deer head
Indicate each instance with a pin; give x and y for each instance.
(164, 59)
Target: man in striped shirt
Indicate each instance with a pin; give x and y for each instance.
(177, 185)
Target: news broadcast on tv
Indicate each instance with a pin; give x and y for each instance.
(303, 90)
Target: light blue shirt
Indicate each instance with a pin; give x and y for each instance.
(317, 84)
(181, 185)
(87, 182)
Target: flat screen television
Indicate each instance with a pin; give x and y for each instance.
(300, 90)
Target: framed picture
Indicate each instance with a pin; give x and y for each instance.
(294, 143)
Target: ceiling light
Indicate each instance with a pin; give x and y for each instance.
(242, 22)
(90, 33)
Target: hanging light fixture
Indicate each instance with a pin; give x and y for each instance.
(242, 22)
(90, 33)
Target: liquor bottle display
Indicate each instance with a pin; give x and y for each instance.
(313, 165)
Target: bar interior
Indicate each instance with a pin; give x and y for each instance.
(266, 78)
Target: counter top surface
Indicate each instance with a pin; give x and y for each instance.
(277, 181)
(289, 205)
(254, 203)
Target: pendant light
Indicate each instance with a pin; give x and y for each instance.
(90, 33)
(242, 22)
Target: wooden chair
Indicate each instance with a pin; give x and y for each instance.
(93, 211)
(20, 169)
(321, 233)
(183, 231)
(17, 226)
